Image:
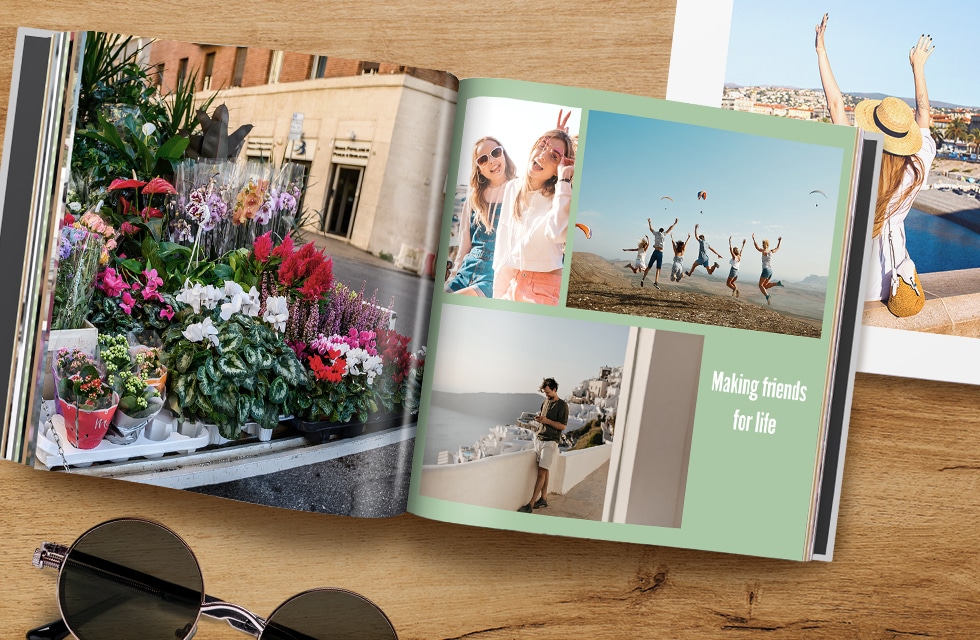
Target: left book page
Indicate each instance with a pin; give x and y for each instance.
(225, 256)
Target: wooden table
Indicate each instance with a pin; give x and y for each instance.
(909, 529)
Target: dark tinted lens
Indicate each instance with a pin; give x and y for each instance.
(130, 579)
(482, 160)
(328, 614)
(497, 152)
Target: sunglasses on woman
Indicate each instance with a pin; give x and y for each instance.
(131, 578)
(496, 152)
(553, 153)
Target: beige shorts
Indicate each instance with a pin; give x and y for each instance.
(547, 451)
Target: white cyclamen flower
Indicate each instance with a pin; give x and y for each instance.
(201, 330)
(276, 312)
(211, 296)
(252, 304)
(191, 295)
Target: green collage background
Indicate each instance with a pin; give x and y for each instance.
(746, 493)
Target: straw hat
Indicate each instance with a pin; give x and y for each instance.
(895, 120)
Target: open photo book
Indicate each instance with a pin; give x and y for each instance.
(364, 288)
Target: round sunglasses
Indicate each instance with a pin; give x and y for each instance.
(131, 578)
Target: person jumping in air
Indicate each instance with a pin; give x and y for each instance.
(734, 262)
(765, 280)
(641, 255)
(677, 268)
(658, 252)
(703, 249)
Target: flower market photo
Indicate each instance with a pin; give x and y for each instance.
(241, 263)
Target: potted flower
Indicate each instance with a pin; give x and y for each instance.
(342, 372)
(227, 366)
(147, 362)
(67, 363)
(87, 404)
(139, 403)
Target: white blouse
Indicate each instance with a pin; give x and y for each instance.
(536, 242)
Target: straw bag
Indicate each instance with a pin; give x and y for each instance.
(906, 299)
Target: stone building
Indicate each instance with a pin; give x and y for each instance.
(373, 137)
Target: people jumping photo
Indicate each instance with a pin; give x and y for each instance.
(703, 248)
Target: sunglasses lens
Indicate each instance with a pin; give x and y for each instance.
(325, 614)
(130, 579)
(497, 152)
(482, 160)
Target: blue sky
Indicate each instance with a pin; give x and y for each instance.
(754, 185)
(508, 352)
(868, 44)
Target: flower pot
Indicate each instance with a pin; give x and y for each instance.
(253, 428)
(321, 431)
(92, 425)
(160, 383)
(126, 429)
(159, 428)
(215, 435)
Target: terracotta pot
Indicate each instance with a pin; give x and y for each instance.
(159, 383)
(92, 425)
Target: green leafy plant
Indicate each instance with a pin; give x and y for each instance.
(136, 398)
(141, 147)
(229, 372)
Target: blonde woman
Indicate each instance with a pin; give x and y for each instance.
(908, 153)
(530, 249)
(472, 271)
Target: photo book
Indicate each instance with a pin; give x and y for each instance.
(366, 289)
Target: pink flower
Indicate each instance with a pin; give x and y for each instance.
(153, 279)
(127, 303)
(111, 284)
(167, 312)
(151, 294)
(128, 229)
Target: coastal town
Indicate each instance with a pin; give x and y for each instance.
(958, 127)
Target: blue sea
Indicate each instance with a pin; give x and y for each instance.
(937, 244)
(448, 428)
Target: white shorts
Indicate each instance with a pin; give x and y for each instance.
(547, 451)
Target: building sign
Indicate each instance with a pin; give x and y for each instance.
(296, 127)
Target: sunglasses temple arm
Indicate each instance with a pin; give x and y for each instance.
(49, 555)
(237, 617)
(56, 630)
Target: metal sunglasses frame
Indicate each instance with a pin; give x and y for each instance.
(51, 555)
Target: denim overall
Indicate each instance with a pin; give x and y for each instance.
(477, 267)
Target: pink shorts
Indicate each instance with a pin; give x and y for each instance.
(538, 287)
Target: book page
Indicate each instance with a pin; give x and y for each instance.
(675, 394)
(229, 266)
(772, 68)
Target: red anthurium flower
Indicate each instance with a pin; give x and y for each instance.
(120, 183)
(126, 207)
(69, 219)
(151, 212)
(159, 185)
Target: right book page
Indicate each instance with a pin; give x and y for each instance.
(921, 315)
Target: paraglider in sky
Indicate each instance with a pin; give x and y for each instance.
(585, 229)
(702, 195)
(817, 204)
(667, 198)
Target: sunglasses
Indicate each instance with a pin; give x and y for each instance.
(553, 153)
(131, 578)
(496, 152)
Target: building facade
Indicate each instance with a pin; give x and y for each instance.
(373, 137)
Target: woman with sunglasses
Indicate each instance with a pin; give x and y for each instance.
(472, 273)
(530, 248)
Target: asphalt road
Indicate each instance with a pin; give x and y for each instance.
(411, 292)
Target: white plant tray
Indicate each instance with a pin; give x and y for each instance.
(48, 454)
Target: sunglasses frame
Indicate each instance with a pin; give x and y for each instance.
(490, 155)
(51, 555)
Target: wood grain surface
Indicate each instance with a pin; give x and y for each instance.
(906, 558)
